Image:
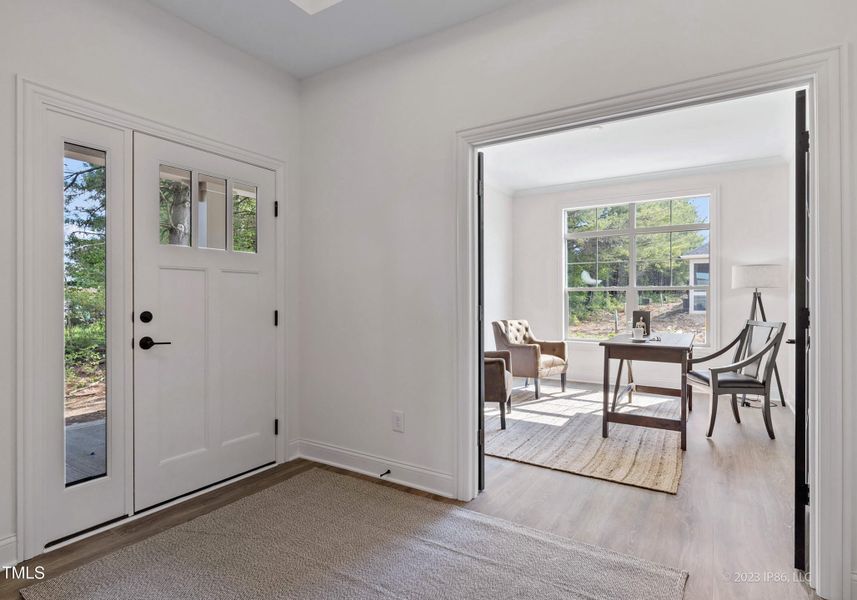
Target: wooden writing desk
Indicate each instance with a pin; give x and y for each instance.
(676, 348)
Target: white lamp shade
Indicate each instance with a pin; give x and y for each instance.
(758, 276)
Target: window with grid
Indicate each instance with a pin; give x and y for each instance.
(651, 255)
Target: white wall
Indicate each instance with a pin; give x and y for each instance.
(750, 217)
(130, 55)
(380, 188)
(499, 266)
(376, 285)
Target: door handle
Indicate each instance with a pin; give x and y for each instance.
(790, 341)
(147, 342)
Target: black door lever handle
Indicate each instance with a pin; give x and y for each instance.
(790, 341)
(147, 342)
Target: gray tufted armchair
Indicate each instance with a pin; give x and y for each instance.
(530, 357)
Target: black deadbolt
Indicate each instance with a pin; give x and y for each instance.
(145, 316)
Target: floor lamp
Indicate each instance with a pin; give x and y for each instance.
(755, 277)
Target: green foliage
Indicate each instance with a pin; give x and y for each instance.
(243, 223)
(85, 198)
(601, 307)
(174, 211)
(606, 258)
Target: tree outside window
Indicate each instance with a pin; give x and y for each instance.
(649, 255)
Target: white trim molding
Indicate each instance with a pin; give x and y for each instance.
(413, 476)
(8, 551)
(824, 74)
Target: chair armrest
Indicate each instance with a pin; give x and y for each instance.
(552, 348)
(720, 352)
(495, 380)
(525, 359)
(503, 355)
(743, 363)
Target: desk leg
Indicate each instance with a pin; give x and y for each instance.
(684, 402)
(606, 392)
(618, 383)
(631, 381)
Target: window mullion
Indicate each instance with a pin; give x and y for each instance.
(631, 299)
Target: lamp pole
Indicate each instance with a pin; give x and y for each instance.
(757, 304)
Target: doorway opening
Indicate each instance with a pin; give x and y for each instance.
(673, 223)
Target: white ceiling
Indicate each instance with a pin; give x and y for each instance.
(281, 33)
(736, 130)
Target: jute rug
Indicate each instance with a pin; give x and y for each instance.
(562, 431)
(321, 535)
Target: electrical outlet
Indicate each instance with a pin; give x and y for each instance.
(399, 421)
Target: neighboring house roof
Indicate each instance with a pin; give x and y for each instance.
(701, 252)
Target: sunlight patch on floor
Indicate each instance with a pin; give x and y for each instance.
(556, 408)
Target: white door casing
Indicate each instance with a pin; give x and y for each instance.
(205, 404)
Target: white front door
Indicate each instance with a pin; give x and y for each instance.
(204, 324)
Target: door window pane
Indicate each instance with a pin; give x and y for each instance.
(244, 218)
(596, 315)
(212, 212)
(175, 209)
(85, 308)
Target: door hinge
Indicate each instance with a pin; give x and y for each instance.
(805, 494)
(804, 141)
(276, 318)
(481, 437)
(276, 208)
(276, 427)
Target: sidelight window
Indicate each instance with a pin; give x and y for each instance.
(85, 312)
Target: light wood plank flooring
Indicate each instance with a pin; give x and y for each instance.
(731, 518)
(732, 514)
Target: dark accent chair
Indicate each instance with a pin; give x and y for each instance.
(532, 358)
(749, 373)
(498, 381)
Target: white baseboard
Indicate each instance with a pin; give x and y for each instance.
(854, 585)
(293, 450)
(405, 474)
(8, 551)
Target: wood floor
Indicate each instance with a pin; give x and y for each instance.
(730, 520)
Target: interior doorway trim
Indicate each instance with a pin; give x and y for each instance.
(34, 101)
(824, 72)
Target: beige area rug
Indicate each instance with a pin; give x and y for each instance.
(562, 431)
(321, 535)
